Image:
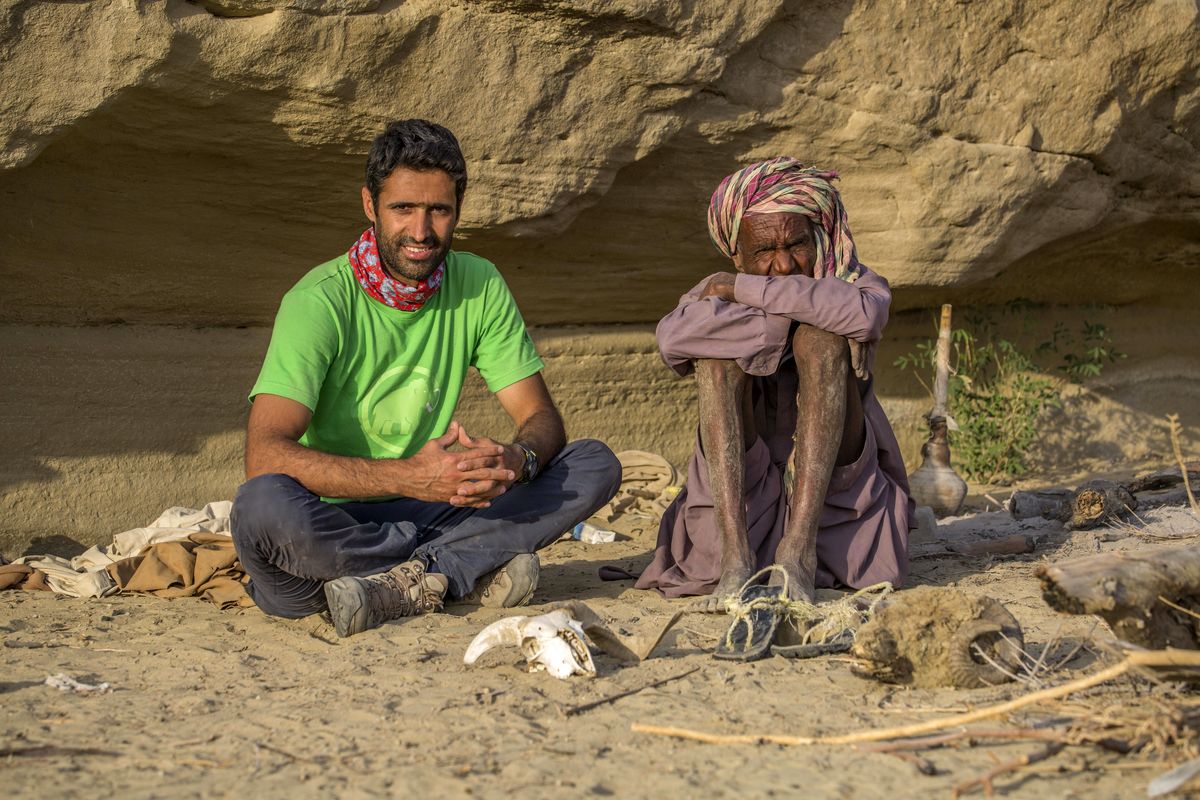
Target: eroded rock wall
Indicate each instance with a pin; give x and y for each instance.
(212, 151)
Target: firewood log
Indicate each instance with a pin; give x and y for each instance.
(1127, 590)
(1089, 506)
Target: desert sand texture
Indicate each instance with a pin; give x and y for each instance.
(968, 137)
(213, 703)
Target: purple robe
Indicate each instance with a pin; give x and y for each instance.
(863, 529)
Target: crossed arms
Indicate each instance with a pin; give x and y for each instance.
(760, 308)
(471, 477)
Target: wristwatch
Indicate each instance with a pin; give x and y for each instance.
(530, 471)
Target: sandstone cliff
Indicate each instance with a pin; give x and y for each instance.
(223, 139)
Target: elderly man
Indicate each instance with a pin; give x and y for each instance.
(796, 464)
(355, 500)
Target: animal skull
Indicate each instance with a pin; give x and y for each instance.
(932, 636)
(553, 642)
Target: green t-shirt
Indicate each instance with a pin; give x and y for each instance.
(382, 382)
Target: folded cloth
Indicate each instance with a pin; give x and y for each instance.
(22, 576)
(172, 525)
(202, 565)
(183, 553)
(648, 484)
(60, 576)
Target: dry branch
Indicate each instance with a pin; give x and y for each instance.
(1004, 546)
(1165, 478)
(1133, 661)
(969, 736)
(579, 709)
(985, 781)
(1173, 421)
(1098, 502)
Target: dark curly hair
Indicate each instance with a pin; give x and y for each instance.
(416, 144)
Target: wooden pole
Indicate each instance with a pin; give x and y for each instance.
(941, 378)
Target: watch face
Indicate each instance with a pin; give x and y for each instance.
(531, 464)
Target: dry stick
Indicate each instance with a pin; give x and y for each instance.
(1173, 421)
(938, 741)
(49, 750)
(941, 378)
(1024, 680)
(700, 634)
(1174, 537)
(1145, 658)
(923, 743)
(919, 710)
(579, 709)
(1033, 671)
(985, 781)
(1177, 607)
(288, 755)
(1135, 765)
(1082, 643)
(192, 742)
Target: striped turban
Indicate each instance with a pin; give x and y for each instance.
(785, 186)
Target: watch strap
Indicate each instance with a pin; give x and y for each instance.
(530, 469)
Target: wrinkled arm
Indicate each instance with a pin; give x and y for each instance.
(856, 310)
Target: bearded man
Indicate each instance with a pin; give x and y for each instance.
(354, 500)
(795, 464)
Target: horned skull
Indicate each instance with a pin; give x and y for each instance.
(554, 642)
(935, 636)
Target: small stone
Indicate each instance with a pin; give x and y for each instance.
(926, 530)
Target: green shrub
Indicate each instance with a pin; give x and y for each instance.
(998, 390)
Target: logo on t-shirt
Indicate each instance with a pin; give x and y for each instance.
(394, 409)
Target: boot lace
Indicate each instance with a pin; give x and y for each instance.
(402, 592)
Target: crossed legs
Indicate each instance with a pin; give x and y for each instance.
(830, 431)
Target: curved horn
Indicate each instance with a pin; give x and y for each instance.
(966, 672)
(1010, 647)
(502, 633)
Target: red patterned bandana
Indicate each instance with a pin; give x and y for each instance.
(364, 260)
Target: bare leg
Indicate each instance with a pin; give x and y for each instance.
(726, 432)
(830, 430)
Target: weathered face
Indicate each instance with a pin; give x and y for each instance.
(776, 244)
(414, 220)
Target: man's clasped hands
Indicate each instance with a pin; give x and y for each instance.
(473, 473)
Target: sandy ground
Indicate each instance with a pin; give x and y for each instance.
(214, 703)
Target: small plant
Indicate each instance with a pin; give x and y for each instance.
(998, 391)
(1097, 352)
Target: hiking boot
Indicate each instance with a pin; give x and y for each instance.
(507, 587)
(359, 604)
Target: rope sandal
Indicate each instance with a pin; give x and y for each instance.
(811, 630)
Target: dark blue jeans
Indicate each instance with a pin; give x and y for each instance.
(291, 542)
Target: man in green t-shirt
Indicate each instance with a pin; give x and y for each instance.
(354, 500)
